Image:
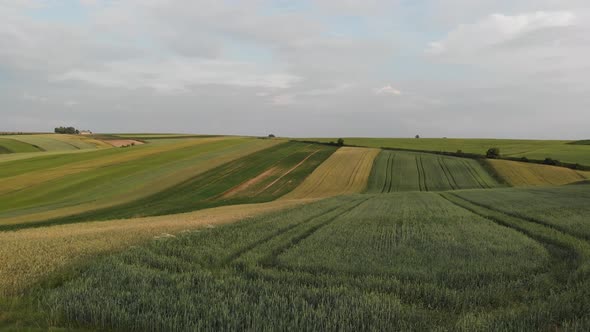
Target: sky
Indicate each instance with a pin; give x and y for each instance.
(325, 68)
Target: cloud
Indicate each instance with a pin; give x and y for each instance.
(71, 103)
(180, 74)
(34, 98)
(388, 90)
(497, 29)
(283, 100)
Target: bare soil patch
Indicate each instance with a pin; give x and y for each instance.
(123, 142)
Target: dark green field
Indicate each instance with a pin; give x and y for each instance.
(395, 171)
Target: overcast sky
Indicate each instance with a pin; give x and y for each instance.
(455, 68)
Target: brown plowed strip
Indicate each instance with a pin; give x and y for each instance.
(123, 142)
(250, 183)
(288, 172)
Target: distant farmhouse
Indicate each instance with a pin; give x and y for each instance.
(85, 132)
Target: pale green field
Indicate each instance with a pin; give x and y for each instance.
(532, 149)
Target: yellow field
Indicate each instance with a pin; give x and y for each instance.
(528, 174)
(346, 171)
(26, 256)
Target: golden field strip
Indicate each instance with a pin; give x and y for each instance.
(26, 256)
(347, 171)
(519, 174)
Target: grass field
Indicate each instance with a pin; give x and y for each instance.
(532, 149)
(256, 177)
(57, 186)
(9, 145)
(528, 174)
(406, 171)
(58, 142)
(403, 261)
(346, 171)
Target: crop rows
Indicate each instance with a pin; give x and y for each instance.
(407, 261)
(406, 171)
(345, 172)
(527, 174)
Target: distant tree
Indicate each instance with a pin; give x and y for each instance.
(552, 162)
(524, 159)
(66, 130)
(340, 142)
(459, 152)
(493, 153)
(417, 136)
(271, 136)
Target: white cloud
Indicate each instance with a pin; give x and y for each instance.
(388, 90)
(283, 100)
(34, 98)
(180, 74)
(71, 103)
(497, 29)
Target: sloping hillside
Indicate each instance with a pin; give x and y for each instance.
(528, 174)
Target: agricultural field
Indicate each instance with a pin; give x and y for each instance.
(170, 179)
(57, 142)
(197, 232)
(406, 171)
(346, 171)
(527, 174)
(532, 149)
(33, 191)
(401, 261)
(9, 145)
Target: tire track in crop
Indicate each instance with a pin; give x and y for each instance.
(390, 172)
(424, 178)
(475, 175)
(448, 174)
(419, 174)
(567, 255)
(526, 218)
(279, 232)
(384, 186)
(270, 260)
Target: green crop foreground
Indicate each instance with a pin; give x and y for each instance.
(404, 261)
(406, 171)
